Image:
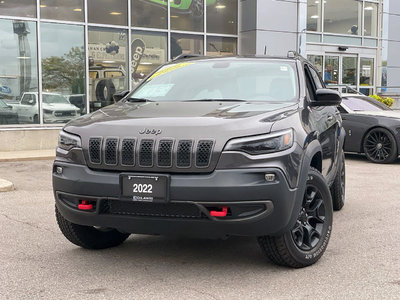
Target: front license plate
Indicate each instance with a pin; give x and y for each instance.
(147, 188)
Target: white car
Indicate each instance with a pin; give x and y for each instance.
(56, 108)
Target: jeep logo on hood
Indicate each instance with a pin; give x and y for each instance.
(150, 131)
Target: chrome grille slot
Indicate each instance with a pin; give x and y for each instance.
(110, 151)
(184, 153)
(95, 150)
(165, 153)
(203, 153)
(146, 153)
(128, 152)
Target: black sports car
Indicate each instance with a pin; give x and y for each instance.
(372, 128)
(7, 115)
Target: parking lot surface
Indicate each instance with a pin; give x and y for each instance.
(362, 260)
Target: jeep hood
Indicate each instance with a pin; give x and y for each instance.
(219, 120)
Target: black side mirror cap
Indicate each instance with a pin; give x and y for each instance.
(327, 97)
(120, 95)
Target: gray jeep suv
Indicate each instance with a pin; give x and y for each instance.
(209, 147)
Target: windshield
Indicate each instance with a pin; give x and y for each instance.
(257, 80)
(49, 99)
(362, 104)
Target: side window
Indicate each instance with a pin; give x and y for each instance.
(317, 79)
(26, 98)
(310, 84)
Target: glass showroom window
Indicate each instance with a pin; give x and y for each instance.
(314, 12)
(366, 75)
(108, 65)
(19, 8)
(153, 13)
(69, 10)
(113, 12)
(18, 72)
(63, 72)
(149, 51)
(221, 46)
(316, 60)
(331, 72)
(349, 70)
(187, 15)
(186, 43)
(222, 16)
(343, 17)
(370, 19)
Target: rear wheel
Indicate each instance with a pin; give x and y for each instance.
(305, 243)
(380, 146)
(338, 188)
(89, 237)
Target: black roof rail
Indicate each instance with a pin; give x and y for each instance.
(186, 55)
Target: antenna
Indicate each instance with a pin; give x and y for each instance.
(265, 50)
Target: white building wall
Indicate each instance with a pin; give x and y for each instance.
(391, 43)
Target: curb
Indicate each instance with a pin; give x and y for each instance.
(6, 186)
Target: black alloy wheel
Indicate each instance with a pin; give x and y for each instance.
(307, 231)
(380, 146)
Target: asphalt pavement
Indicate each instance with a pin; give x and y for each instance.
(362, 260)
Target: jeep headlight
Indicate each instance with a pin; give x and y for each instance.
(262, 144)
(68, 141)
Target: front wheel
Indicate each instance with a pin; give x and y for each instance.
(89, 237)
(305, 243)
(380, 146)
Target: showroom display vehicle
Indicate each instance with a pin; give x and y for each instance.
(211, 148)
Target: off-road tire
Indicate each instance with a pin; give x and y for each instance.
(105, 90)
(283, 250)
(89, 237)
(338, 188)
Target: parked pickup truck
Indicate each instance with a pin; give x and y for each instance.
(56, 108)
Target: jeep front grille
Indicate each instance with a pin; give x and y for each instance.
(134, 154)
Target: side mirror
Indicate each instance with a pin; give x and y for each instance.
(120, 95)
(31, 102)
(327, 97)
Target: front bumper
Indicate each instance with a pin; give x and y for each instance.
(257, 207)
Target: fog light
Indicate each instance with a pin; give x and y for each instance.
(59, 170)
(269, 177)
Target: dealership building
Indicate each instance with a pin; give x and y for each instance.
(60, 59)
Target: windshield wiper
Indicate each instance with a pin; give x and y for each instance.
(217, 100)
(138, 100)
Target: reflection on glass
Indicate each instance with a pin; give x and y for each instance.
(150, 13)
(69, 10)
(187, 15)
(370, 19)
(19, 8)
(149, 51)
(349, 70)
(331, 72)
(222, 16)
(18, 71)
(108, 65)
(316, 60)
(186, 43)
(63, 72)
(366, 71)
(314, 9)
(343, 16)
(221, 46)
(113, 12)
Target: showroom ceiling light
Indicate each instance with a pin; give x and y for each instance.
(43, 5)
(369, 8)
(23, 57)
(146, 63)
(115, 13)
(219, 6)
(315, 17)
(174, 16)
(77, 9)
(109, 61)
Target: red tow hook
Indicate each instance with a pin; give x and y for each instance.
(84, 205)
(215, 213)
